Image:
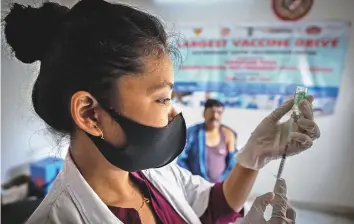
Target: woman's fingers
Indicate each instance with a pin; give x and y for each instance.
(280, 202)
(263, 201)
(282, 212)
(305, 122)
(301, 140)
(310, 128)
(290, 213)
(305, 108)
(310, 98)
(278, 113)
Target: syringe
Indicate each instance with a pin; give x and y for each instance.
(282, 163)
(300, 94)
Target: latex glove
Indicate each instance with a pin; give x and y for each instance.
(282, 212)
(269, 139)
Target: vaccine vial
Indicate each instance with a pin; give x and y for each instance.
(300, 94)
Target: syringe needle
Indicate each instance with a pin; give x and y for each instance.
(282, 163)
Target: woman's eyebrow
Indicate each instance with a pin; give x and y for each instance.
(161, 85)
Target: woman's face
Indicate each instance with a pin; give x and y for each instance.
(144, 98)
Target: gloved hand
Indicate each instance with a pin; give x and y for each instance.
(282, 212)
(269, 139)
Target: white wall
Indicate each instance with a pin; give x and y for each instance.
(321, 175)
(325, 173)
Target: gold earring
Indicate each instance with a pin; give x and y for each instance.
(95, 126)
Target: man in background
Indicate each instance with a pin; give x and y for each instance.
(210, 147)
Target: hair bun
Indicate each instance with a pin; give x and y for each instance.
(29, 31)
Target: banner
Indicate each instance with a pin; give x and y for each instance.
(259, 66)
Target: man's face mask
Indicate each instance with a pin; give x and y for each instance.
(146, 147)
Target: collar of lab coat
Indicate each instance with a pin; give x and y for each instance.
(93, 210)
(90, 206)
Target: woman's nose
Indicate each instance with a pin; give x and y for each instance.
(173, 113)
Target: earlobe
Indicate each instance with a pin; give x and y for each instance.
(84, 112)
(95, 126)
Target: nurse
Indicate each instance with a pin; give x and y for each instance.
(105, 81)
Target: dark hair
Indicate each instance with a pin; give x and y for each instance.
(212, 103)
(83, 48)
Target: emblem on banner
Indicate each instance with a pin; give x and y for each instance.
(291, 10)
(225, 31)
(197, 31)
(313, 30)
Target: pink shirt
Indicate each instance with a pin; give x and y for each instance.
(218, 211)
(216, 157)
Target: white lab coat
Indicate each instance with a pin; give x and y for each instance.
(72, 201)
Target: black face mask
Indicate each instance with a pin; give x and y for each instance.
(146, 147)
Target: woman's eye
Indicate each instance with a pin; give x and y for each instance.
(164, 100)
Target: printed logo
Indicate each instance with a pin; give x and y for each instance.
(313, 30)
(225, 31)
(197, 31)
(291, 10)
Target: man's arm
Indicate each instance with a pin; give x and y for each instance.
(231, 139)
